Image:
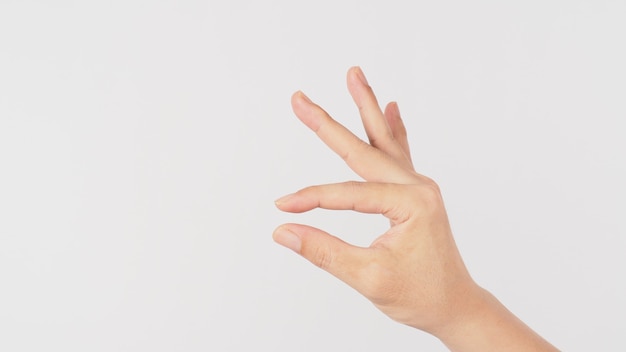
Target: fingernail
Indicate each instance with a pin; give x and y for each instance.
(287, 238)
(396, 108)
(361, 76)
(305, 98)
(283, 199)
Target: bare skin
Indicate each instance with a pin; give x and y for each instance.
(413, 272)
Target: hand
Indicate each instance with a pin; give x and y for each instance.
(413, 272)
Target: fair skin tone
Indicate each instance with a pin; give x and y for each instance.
(413, 272)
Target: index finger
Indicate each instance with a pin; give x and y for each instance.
(367, 161)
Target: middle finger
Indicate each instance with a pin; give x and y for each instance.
(364, 159)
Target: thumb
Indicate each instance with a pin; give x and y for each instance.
(326, 251)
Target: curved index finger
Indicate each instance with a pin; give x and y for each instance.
(387, 199)
(367, 161)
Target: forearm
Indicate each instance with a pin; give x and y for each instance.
(488, 325)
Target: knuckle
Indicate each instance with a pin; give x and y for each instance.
(353, 186)
(346, 155)
(426, 196)
(431, 192)
(322, 257)
(360, 148)
(431, 184)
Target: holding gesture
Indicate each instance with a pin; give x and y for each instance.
(413, 272)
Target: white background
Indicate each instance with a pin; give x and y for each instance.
(142, 144)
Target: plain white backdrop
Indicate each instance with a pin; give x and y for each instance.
(142, 144)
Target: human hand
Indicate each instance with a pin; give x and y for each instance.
(413, 272)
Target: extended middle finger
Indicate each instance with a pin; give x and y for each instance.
(367, 161)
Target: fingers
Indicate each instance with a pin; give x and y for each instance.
(377, 128)
(328, 252)
(392, 115)
(367, 161)
(391, 200)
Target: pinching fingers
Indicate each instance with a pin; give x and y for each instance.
(326, 251)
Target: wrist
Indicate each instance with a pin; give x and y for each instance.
(485, 324)
(464, 310)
